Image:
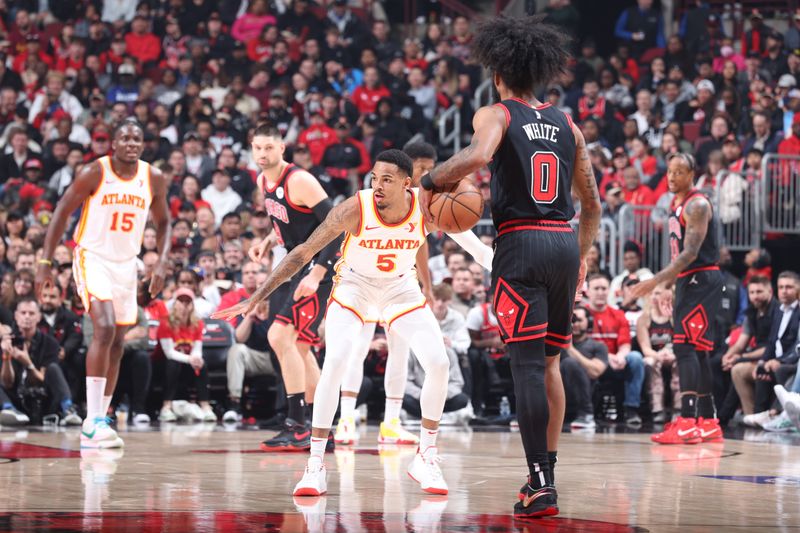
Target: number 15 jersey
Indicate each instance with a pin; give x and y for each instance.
(379, 249)
(532, 168)
(114, 217)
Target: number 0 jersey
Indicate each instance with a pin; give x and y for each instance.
(114, 217)
(532, 168)
(379, 249)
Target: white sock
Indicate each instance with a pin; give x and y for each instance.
(106, 404)
(348, 407)
(427, 439)
(95, 387)
(317, 450)
(392, 409)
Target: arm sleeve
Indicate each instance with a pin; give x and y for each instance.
(619, 29)
(473, 245)
(168, 346)
(327, 256)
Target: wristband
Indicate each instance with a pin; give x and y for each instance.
(426, 182)
(45, 262)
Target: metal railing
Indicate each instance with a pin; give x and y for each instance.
(483, 94)
(780, 193)
(645, 225)
(450, 128)
(737, 200)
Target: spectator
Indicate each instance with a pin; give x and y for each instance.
(654, 332)
(12, 161)
(632, 268)
(754, 381)
(720, 127)
(141, 44)
(344, 160)
(640, 27)
(366, 95)
(582, 363)
(30, 359)
(791, 144)
(611, 327)
(463, 287)
(249, 25)
(65, 327)
(189, 279)
(221, 195)
(457, 407)
(762, 138)
(180, 337)
(755, 38)
(53, 96)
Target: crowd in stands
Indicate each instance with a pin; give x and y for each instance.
(343, 83)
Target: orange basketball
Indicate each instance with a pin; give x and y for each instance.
(457, 207)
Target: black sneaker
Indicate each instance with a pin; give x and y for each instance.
(536, 503)
(294, 437)
(632, 417)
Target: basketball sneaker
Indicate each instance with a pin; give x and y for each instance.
(680, 431)
(293, 437)
(314, 482)
(791, 406)
(424, 469)
(780, 424)
(346, 432)
(710, 430)
(536, 503)
(96, 433)
(393, 433)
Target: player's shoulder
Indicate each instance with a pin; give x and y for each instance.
(698, 204)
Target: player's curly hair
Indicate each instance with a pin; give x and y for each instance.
(525, 52)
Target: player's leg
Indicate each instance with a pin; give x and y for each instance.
(115, 353)
(351, 384)
(421, 330)
(341, 326)
(711, 300)
(394, 383)
(282, 337)
(311, 367)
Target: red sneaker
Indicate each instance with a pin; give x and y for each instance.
(680, 431)
(710, 430)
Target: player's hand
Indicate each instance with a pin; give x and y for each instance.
(157, 278)
(425, 196)
(245, 307)
(44, 278)
(307, 286)
(581, 281)
(641, 289)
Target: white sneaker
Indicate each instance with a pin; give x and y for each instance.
(791, 407)
(583, 422)
(449, 419)
(346, 431)
(757, 420)
(71, 418)
(141, 419)
(780, 424)
(208, 415)
(98, 434)
(194, 413)
(314, 482)
(231, 416)
(785, 396)
(424, 469)
(182, 409)
(167, 415)
(12, 417)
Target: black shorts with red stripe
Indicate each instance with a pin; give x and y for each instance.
(698, 296)
(305, 314)
(534, 275)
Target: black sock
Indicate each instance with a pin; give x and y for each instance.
(539, 471)
(310, 411)
(705, 406)
(296, 407)
(689, 405)
(553, 459)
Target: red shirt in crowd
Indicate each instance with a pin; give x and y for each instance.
(145, 47)
(317, 137)
(611, 328)
(641, 195)
(366, 100)
(183, 336)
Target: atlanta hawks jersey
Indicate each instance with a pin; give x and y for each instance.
(114, 217)
(379, 249)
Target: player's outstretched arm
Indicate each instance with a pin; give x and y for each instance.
(697, 215)
(343, 217)
(82, 187)
(160, 212)
(489, 125)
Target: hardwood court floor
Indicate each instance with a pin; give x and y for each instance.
(204, 478)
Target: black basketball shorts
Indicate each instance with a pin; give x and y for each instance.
(698, 296)
(305, 314)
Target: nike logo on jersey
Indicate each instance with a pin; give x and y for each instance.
(686, 432)
(368, 228)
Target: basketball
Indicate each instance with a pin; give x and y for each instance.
(458, 207)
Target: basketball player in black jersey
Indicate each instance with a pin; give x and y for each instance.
(698, 293)
(537, 158)
(296, 204)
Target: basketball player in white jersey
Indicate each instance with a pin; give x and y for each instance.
(423, 157)
(117, 192)
(375, 281)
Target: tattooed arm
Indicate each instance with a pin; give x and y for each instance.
(585, 188)
(343, 217)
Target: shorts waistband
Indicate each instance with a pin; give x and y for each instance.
(698, 269)
(533, 225)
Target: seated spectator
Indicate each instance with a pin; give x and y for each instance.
(189, 279)
(582, 363)
(456, 340)
(654, 332)
(220, 195)
(611, 327)
(30, 362)
(438, 263)
(463, 287)
(180, 337)
(631, 267)
(754, 381)
(343, 160)
(251, 272)
(65, 327)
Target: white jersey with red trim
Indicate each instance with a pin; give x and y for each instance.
(379, 249)
(114, 217)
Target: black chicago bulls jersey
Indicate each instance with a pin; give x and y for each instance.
(293, 223)
(532, 168)
(709, 250)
